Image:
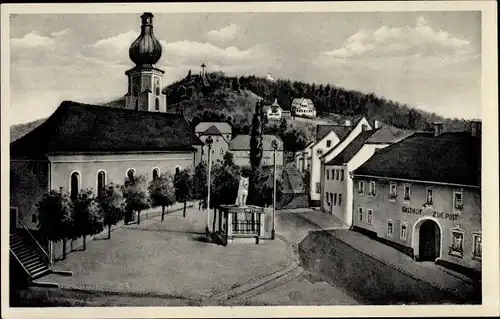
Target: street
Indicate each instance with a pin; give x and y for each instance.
(302, 288)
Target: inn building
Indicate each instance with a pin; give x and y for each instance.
(422, 196)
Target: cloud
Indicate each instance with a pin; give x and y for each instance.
(31, 40)
(179, 54)
(419, 40)
(227, 33)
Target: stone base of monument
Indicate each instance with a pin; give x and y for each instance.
(241, 224)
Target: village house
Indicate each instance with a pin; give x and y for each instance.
(301, 158)
(84, 146)
(240, 148)
(273, 111)
(337, 198)
(221, 136)
(303, 107)
(329, 138)
(422, 196)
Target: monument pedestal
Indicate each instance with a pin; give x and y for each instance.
(240, 223)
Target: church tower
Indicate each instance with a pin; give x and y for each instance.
(144, 80)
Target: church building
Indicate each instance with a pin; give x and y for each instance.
(84, 146)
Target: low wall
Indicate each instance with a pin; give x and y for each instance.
(366, 278)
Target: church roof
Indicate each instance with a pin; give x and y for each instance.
(83, 128)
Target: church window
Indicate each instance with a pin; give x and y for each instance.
(157, 104)
(131, 173)
(74, 185)
(136, 105)
(177, 169)
(156, 173)
(101, 182)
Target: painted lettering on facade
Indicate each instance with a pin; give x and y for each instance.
(441, 215)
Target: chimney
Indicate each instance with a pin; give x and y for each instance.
(475, 128)
(347, 123)
(376, 124)
(438, 128)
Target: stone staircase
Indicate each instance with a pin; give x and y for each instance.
(29, 255)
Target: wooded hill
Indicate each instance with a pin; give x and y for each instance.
(235, 97)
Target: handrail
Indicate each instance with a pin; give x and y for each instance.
(34, 239)
(20, 263)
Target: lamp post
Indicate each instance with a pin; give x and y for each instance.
(274, 145)
(209, 142)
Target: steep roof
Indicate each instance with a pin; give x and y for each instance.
(242, 143)
(83, 128)
(353, 148)
(453, 158)
(389, 134)
(223, 127)
(345, 135)
(275, 104)
(340, 130)
(212, 130)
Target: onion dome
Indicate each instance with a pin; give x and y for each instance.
(146, 49)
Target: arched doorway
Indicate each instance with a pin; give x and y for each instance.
(429, 243)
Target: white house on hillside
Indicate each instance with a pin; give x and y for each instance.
(328, 138)
(303, 107)
(336, 184)
(273, 111)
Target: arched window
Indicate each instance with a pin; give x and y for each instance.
(156, 173)
(75, 185)
(136, 105)
(131, 173)
(157, 104)
(177, 169)
(101, 182)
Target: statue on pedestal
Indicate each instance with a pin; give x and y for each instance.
(241, 200)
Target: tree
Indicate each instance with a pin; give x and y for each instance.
(283, 127)
(55, 221)
(200, 183)
(112, 206)
(88, 217)
(235, 84)
(255, 151)
(183, 182)
(228, 159)
(162, 192)
(135, 192)
(224, 186)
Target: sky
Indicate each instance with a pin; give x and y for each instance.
(428, 60)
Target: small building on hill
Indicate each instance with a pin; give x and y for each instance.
(303, 107)
(422, 196)
(240, 147)
(273, 111)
